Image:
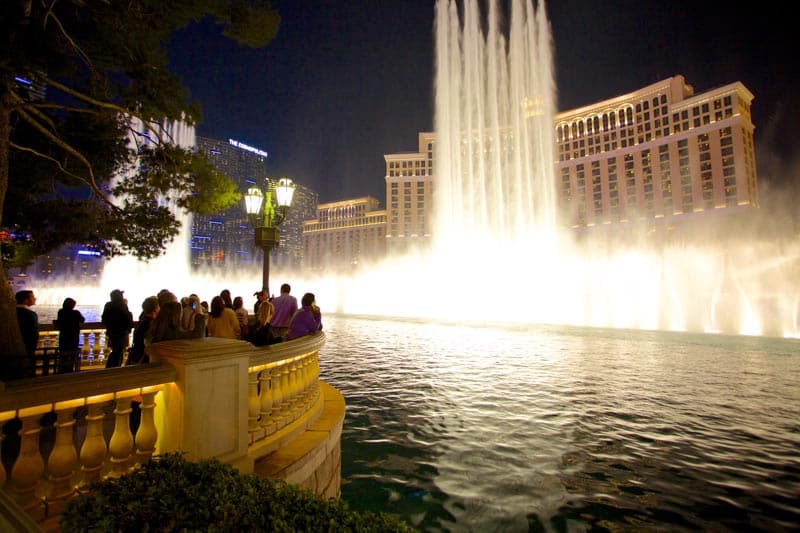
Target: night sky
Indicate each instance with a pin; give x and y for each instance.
(347, 81)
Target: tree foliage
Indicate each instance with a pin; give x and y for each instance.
(87, 106)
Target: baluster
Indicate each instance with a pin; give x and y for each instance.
(147, 434)
(286, 396)
(277, 396)
(307, 392)
(42, 350)
(312, 388)
(106, 348)
(315, 374)
(62, 459)
(26, 474)
(120, 447)
(300, 393)
(5, 416)
(305, 380)
(94, 449)
(304, 393)
(298, 383)
(97, 346)
(253, 405)
(267, 423)
(294, 387)
(85, 349)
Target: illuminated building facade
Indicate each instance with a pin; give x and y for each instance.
(657, 154)
(409, 206)
(345, 234)
(661, 152)
(74, 263)
(227, 238)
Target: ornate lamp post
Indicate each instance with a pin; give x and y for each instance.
(276, 201)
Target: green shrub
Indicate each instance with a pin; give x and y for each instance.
(169, 493)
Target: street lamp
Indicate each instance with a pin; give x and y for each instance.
(276, 201)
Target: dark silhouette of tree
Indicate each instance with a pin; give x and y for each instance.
(87, 104)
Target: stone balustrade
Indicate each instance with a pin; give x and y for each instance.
(208, 398)
(94, 348)
(85, 419)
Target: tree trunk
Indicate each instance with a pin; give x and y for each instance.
(10, 337)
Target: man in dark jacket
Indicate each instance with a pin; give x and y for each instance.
(28, 320)
(118, 321)
(16, 366)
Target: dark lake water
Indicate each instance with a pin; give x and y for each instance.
(547, 428)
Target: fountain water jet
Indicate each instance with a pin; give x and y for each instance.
(499, 253)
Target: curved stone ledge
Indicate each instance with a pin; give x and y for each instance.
(313, 459)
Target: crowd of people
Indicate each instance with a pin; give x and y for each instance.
(165, 317)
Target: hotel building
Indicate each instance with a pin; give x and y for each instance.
(661, 152)
(345, 234)
(409, 205)
(661, 155)
(227, 239)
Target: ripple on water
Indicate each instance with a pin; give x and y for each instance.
(460, 428)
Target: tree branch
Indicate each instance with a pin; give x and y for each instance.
(67, 148)
(51, 159)
(152, 125)
(86, 98)
(78, 51)
(25, 105)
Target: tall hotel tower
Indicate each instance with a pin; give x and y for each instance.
(409, 179)
(227, 239)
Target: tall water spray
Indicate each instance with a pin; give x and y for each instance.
(497, 228)
(499, 252)
(494, 124)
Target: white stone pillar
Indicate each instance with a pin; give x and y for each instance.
(205, 412)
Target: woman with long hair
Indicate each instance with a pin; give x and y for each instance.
(222, 321)
(166, 326)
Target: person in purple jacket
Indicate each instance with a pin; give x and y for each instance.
(285, 307)
(307, 319)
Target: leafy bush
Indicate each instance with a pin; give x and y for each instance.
(169, 493)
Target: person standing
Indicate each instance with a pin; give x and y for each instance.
(222, 321)
(262, 334)
(190, 311)
(285, 307)
(264, 310)
(307, 320)
(242, 316)
(136, 354)
(118, 321)
(69, 322)
(28, 322)
(166, 326)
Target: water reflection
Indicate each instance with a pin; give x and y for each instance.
(506, 428)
